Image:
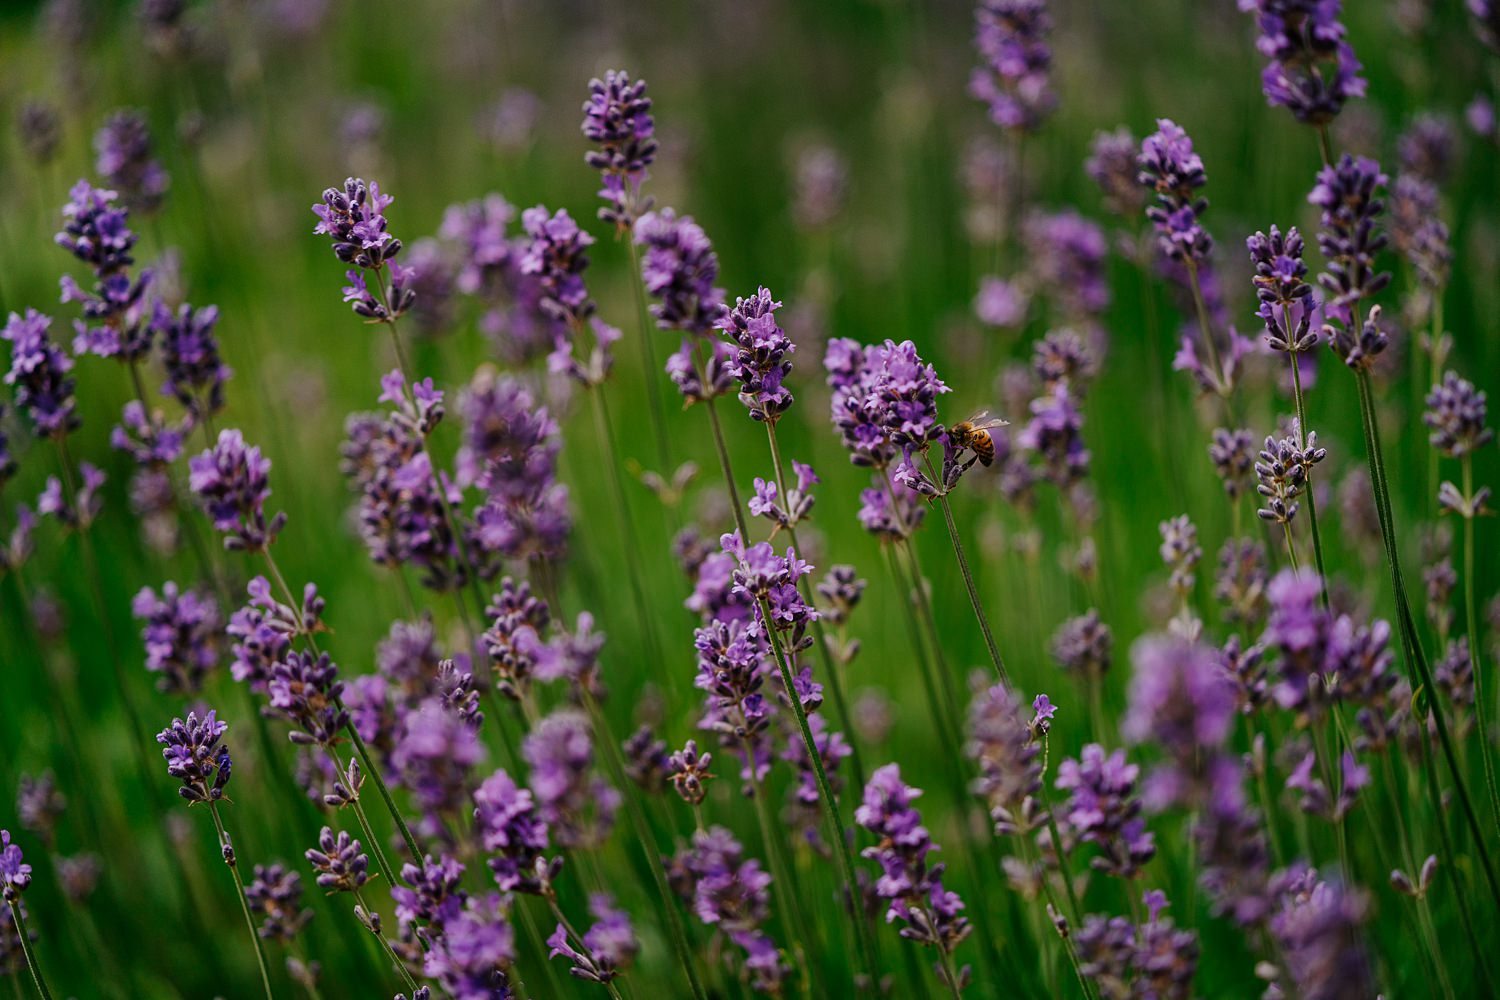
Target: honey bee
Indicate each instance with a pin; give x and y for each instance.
(974, 434)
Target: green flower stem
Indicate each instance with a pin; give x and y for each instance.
(1312, 500)
(648, 360)
(831, 816)
(1411, 647)
(963, 566)
(1481, 709)
(227, 849)
(647, 842)
(385, 945)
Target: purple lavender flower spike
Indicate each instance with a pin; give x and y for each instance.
(617, 119)
(515, 837)
(1284, 472)
(1083, 645)
(123, 148)
(1455, 416)
(232, 480)
(1312, 70)
(1418, 232)
(514, 638)
(340, 861)
(434, 754)
(94, 230)
(1347, 192)
(577, 804)
(195, 375)
(609, 945)
(307, 692)
(1286, 300)
(181, 635)
(1067, 254)
(39, 128)
(1300, 631)
(1317, 926)
(39, 805)
(39, 372)
(1103, 810)
(1181, 699)
(679, 268)
(275, 895)
(729, 892)
(195, 756)
(1013, 79)
(1010, 773)
(1112, 166)
(15, 873)
(477, 948)
(1055, 435)
(432, 895)
(353, 218)
(1170, 168)
(762, 359)
(914, 889)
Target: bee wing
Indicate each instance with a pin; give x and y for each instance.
(990, 424)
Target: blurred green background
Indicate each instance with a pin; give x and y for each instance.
(251, 121)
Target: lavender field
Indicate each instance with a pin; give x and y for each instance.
(802, 499)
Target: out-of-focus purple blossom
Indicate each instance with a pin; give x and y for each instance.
(39, 128)
(913, 888)
(679, 268)
(1005, 748)
(1064, 355)
(512, 118)
(510, 452)
(431, 277)
(888, 512)
(1181, 699)
(647, 761)
(1418, 232)
(1233, 455)
(39, 373)
(1240, 583)
(1455, 417)
(1055, 435)
(431, 896)
(1066, 254)
(803, 797)
(95, 231)
(181, 634)
(122, 147)
(577, 804)
(1155, 959)
(822, 186)
(1181, 552)
(1362, 672)
(730, 892)
(609, 945)
(1170, 168)
(1103, 809)
(1454, 672)
(1014, 75)
(1347, 193)
(471, 961)
(147, 438)
(39, 805)
(1315, 797)
(733, 663)
(78, 511)
(556, 255)
(1083, 645)
(17, 547)
(232, 480)
(1001, 303)
(1300, 631)
(340, 861)
(78, 876)
(434, 755)
(798, 503)
(514, 835)
(275, 895)
(1317, 927)
(1428, 148)
(190, 353)
(617, 119)
(1312, 70)
(1112, 165)
(195, 756)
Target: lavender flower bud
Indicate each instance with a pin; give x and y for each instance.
(617, 119)
(1013, 78)
(340, 862)
(39, 373)
(232, 480)
(181, 636)
(1455, 415)
(1312, 70)
(15, 874)
(275, 895)
(1170, 168)
(124, 160)
(195, 756)
(1346, 193)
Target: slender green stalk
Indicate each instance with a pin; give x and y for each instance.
(1411, 646)
(385, 945)
(830, 670)
(25, 938)
(634, 556)
(647, 842)
(963, 566)
(783, 886)
(381, 861)
(648, 360)
(1312, 500)
(950, 977)
(227, 849)
(1481, 709)
(1409, 860)
(825, 792)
